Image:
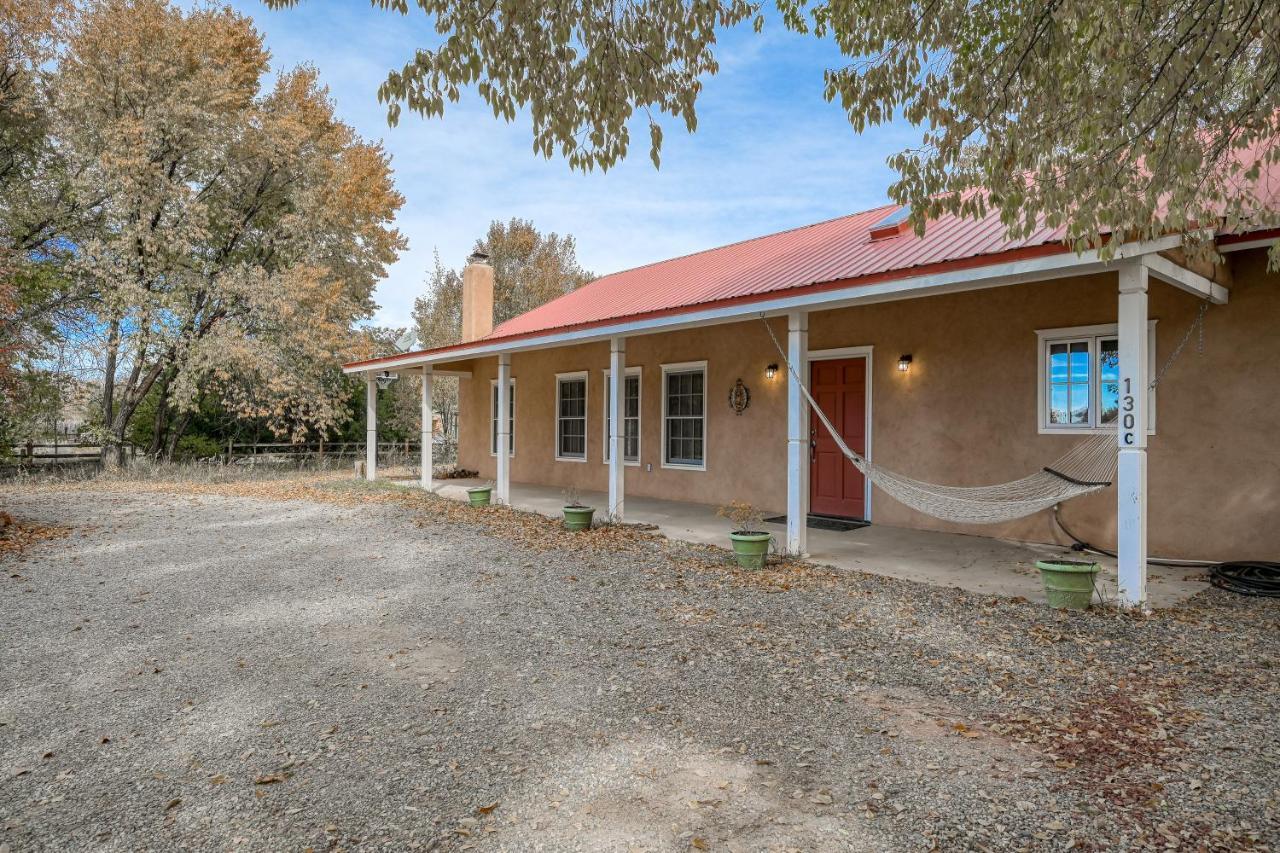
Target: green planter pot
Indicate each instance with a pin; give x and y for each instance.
(751, 549)
(578, 517)
(1068, 584)
(480, 495)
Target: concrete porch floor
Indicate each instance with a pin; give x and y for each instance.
(974, 563)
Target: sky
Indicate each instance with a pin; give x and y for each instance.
(769, 153)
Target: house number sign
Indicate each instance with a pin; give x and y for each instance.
(1128, 419)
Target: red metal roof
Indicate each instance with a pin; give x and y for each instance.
(837, 250)
(836, 253)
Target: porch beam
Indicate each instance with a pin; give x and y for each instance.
(1131, 473)
(370, 427)
(617, 429)
(1023, 271)
(428, 431)
(503, 485)
(797, 435)
(1184, 279)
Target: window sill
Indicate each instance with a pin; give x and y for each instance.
(1085, 431)
(571, 459)
(678, 467)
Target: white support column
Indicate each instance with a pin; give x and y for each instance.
(1131, 475)
(797, 435)
(617, 426)
(371, 427)
(428, 433)
(503, 485)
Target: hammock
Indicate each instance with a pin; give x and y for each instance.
(1086, 468)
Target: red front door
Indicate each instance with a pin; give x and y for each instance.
(835, 486)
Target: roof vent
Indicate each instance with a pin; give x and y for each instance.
(892, 225)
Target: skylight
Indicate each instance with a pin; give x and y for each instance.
(892, 225)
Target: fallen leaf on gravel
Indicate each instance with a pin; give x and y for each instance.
(173, 804)
(219, 779)
(489, 808)
(271, 778)
(698, 844)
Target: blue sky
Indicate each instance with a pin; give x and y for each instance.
(769, 152)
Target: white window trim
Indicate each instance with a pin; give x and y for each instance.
(493, 414)
(586, 413)
(604, 396)
(1044, 337)
(681, 367)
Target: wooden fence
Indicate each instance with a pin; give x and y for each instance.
(320, 453)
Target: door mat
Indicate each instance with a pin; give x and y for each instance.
(822, 522)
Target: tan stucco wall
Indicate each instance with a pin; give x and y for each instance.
(965, 414)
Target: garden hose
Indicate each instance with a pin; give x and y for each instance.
(1246, 577)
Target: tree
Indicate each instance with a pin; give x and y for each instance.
(529, 269)
(236, 236)
(1109, 117)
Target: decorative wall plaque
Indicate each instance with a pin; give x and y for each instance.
(739, 397)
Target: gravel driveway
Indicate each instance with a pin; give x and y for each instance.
(334, 666)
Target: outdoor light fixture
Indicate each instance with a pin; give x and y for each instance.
(385, 378)
(904, 363)
(771, 371)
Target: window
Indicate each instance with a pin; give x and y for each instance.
(684, 420)
(630, 416)
(493, 417)
(571, 416)
(1080, 379)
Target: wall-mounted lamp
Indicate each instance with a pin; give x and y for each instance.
(904, 363)
(385, 378)
(771, 371)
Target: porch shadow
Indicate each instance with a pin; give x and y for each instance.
(974, 563)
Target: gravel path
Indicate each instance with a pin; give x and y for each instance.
(335, 666)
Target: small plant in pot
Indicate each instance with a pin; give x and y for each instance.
(480, 495)
(750, 543)
(1068, 584)
(577, 515)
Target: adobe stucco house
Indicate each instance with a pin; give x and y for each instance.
(958, 358)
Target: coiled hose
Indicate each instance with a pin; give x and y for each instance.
(1248, 577)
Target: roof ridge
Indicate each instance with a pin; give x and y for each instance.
(741, 242)
(748, 240)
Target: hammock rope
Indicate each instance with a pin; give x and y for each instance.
(1086, 468)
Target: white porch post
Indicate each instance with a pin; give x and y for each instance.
(1131, 474)
(371, 427)
(617, 394)
(428, 433)
(797, 435)
(504, 429)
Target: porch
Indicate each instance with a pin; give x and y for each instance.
(973, 563)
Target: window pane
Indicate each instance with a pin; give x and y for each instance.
(1059, 396)
(1079, 362)
(1110, 403)
(1080, 405)
(1057, 362)
(1109, 359)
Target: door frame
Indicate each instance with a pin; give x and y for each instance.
(863, 352)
